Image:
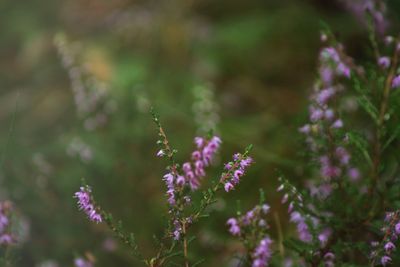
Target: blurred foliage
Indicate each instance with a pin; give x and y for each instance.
(258, 57)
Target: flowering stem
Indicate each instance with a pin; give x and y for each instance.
(209, 196)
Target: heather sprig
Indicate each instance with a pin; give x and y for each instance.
(86, 204)
(323, 134)
(95, 213)
(235, 170)
(251, 229)
(210, 195)
(179, 196)
(382, 251)
(311, 227)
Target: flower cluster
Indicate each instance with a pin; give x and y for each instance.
(391, 231)
(321, 132)
(235, 170)
(193, 171)
(202, 157)
(6, 237)
(333, 62)
(262, 253)
(302, 226)
(305, 223)
(363, 8)
(171, 182)
(252, 228)
(86, 204)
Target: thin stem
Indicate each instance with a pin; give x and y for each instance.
(380, 122)
(185, 245)
(280, 234)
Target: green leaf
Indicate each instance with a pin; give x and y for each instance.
(198, 262)
(395, 134)
(367, 105)
(262, 196)
(296, 245)
(361, 144)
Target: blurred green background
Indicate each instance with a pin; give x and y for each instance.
(245, 67)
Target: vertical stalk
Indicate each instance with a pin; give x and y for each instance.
(280, 234)
(381, 119)
(185, 245)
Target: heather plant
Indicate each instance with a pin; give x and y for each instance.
(354, 167)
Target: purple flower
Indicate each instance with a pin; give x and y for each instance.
(397, 228)
(285, 198)
(228, 166)
(290, 207)
(196, 155)
(354, 174)
(396, 82)
(324, 236)
(326, 75)
(85, 204)
(178, 230)
(80, 262)
(324, 95)
(202, 158)
(228, 187)
(316, 114)
(306, 129)
(384, 62)
(265, 208)
(329, 171)
(344, 70)
(389, 247)
(210, 149)
(337, 124)
(6, 239)
(236, 171)
(180, 180)
(3, 221)
(199, 141)
(330, 53)
(302, 227)
(170, 183)
(329, 114)
(262, 253)
(343, 155)
(385, 260)
(234, 228)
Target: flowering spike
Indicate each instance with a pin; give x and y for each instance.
(85, 203)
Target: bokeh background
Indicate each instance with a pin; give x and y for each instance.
(77, 80)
